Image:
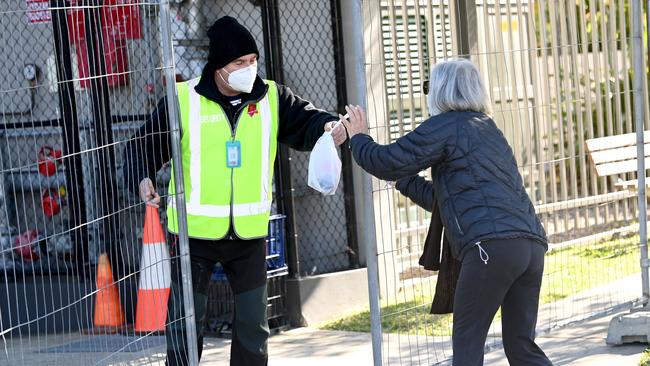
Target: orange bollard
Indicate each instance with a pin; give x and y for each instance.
(109, 317)
(155, 277)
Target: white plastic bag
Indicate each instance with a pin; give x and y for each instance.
(324, 165)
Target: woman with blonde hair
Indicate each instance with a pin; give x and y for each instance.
(489, 220)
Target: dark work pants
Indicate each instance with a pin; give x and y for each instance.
(244, 262)
(511, 279)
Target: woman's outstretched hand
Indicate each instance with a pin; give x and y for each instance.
(357, 122)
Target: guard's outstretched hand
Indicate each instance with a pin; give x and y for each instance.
(148, 193)
(338, 134)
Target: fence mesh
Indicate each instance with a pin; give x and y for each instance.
(559, 74)
(79, 78)
(309, 69)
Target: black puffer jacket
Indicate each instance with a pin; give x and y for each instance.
(478, 187)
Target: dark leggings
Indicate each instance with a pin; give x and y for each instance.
(512, 279)
(244, 262)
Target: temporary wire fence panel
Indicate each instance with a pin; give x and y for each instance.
(78, 80)
(305, 31)
(308, 58)
(558, 73)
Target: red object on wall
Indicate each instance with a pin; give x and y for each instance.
(76, 26)
(47, 160)
(120, 21)
(25, 245)
(115, 60)
(52, 202)
(122, 18)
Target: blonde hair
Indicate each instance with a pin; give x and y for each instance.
(456, 85)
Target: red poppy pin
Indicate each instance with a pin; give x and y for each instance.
(252, 110)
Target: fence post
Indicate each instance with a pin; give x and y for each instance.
(102, 128)
(639, 110)
(283, 181)
(71, 141)
(346, 154)
(353, 31)
(465, 27)
(174, 125)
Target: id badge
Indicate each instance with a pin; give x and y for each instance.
(233, 154)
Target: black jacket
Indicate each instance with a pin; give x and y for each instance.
(479, 190)
(300, 126)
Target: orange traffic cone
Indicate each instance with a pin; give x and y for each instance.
(109, 317)
(155, 277)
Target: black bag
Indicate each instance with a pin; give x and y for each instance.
(448, 267)
(443, 299)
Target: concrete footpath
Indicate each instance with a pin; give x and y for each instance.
(576, 345)
(579, 344)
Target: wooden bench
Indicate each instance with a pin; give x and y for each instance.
(617, 154)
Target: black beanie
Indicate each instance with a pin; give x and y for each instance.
(229, 40)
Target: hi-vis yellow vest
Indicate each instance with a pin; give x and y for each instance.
(215, 193)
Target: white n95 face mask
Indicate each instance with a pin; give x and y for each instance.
(242, 80)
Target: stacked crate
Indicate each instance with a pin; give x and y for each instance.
(220, 297)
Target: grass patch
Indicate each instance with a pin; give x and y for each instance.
(580, 268)
(645, 358)
(567, 272)
(410, 317)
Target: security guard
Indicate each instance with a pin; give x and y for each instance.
(231, 123)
